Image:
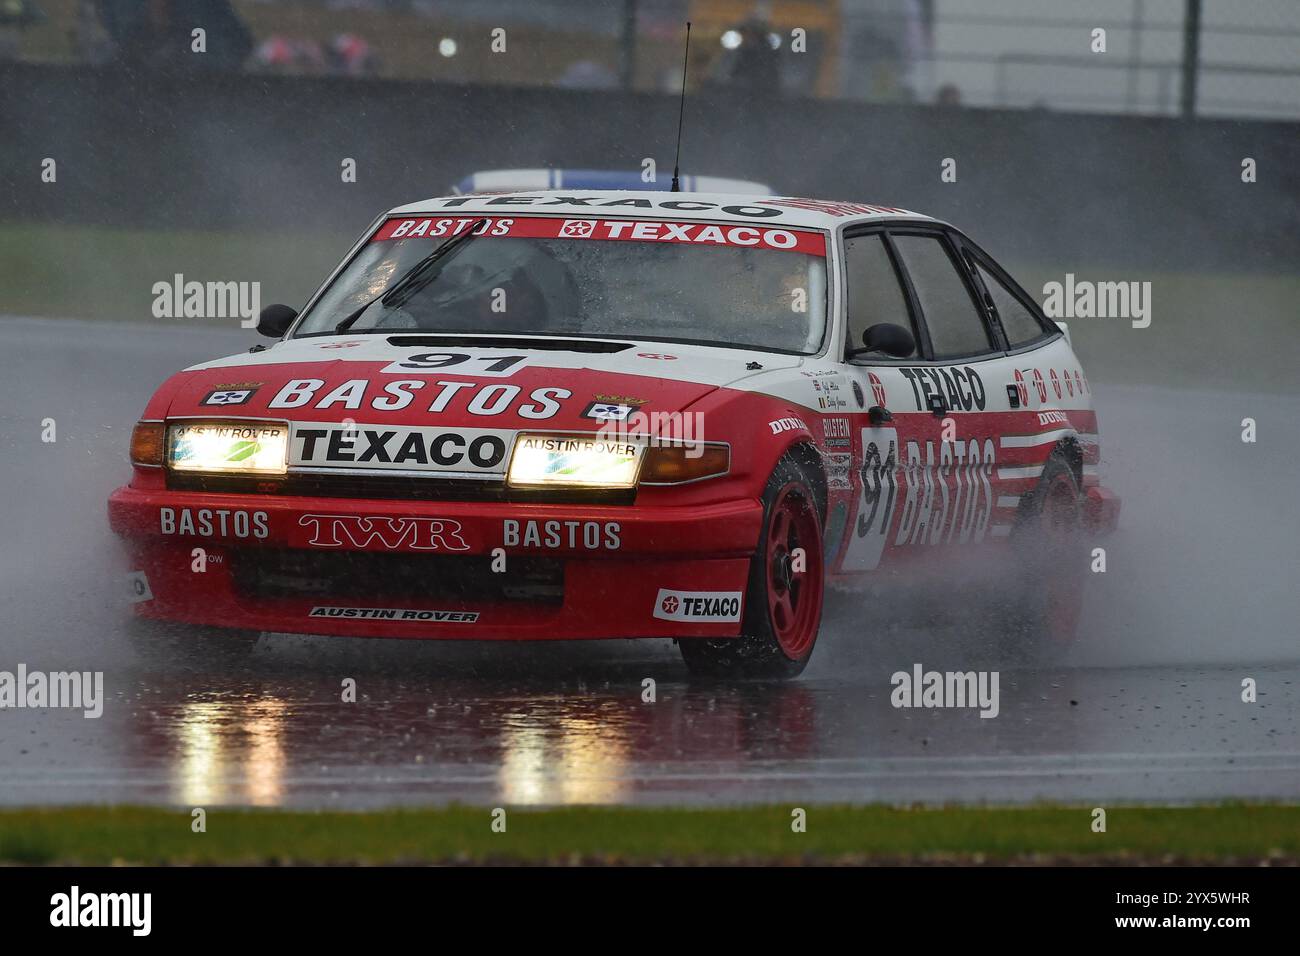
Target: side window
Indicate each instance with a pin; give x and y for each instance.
(1018, 322)
(955, 325)
(874, 293)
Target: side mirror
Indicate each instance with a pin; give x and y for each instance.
(893, 340)
(275, 320)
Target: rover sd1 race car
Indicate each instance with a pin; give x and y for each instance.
(555, 415)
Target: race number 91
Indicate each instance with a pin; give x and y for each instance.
(494, 365)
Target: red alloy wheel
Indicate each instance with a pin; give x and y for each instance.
(793, 597)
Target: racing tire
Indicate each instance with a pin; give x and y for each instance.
(783, 607)
(166, 642)
(1039, 624)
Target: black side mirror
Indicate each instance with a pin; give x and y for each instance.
(275, 320)
(893, 340)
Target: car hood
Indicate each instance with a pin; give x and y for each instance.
(460, 380)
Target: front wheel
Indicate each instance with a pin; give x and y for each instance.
(783, 599)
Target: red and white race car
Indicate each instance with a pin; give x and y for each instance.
(565, 415)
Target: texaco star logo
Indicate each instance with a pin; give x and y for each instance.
(577, 228)
(341, 345)
(1022, 388)
(1056, 382)
(657, 355)
(669, 605)
(877, 389)
(1040, 386)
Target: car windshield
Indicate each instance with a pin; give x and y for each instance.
(738, 285)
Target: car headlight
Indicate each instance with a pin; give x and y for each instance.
(241, 447)
(574, 461)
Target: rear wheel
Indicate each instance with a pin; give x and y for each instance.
(1039, 622)
(783, 598)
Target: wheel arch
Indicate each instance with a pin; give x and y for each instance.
(1072, 451)
(1068, 450)
(806, 454)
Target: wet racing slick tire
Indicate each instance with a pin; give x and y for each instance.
(783, 606)
(1038, 622)
(166, 642)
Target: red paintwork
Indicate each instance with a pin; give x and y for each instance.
(607, 593)
(694, 537)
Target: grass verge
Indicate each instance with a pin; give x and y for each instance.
(835, 834)
(98, 272)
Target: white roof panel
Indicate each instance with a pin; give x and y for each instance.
(623, 204)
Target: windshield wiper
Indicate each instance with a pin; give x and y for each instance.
(417, 277)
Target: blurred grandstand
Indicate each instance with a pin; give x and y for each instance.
(1163, 57)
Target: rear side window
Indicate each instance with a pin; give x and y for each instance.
(874, 293)
(1020, 324)
(955, 325)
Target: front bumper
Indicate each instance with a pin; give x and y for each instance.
(279, 564)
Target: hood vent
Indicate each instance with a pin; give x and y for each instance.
(504, 342)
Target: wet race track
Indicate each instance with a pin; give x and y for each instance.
(1200, 593)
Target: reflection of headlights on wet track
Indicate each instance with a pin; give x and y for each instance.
(231, 753)
(576, 760)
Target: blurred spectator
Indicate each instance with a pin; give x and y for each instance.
(276, 54)
(280, 54)
(750, 59)
(350, 55)
(886, 49)
(346, 54)
(158, 33)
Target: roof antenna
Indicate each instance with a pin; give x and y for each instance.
(681, 110)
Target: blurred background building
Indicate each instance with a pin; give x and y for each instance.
(1163, 57)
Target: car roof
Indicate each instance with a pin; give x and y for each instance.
(638, 204)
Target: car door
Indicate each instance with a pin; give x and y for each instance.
(925, 461)
(950, 497)
(875, 292)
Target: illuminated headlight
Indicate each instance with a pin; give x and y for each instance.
(582, 461)
(247, 447)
